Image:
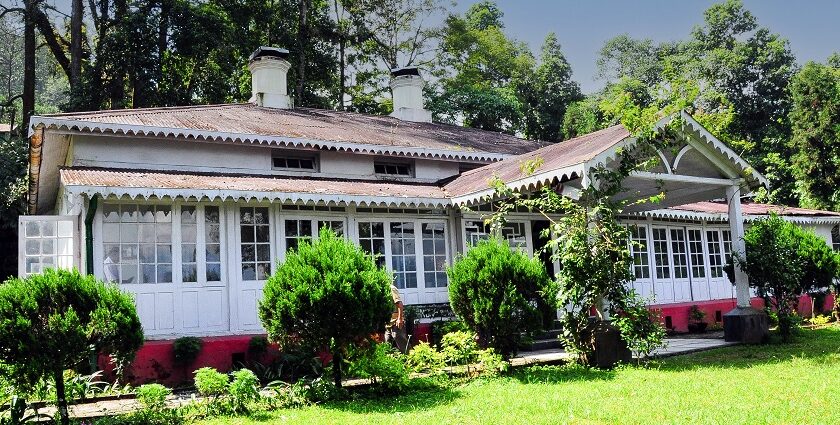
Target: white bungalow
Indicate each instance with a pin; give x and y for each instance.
(190, 208)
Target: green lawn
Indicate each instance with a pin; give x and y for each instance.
(778, 384)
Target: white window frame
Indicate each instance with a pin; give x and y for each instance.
(418, 243)
(527, 247)
(74, 232)
(200, 245)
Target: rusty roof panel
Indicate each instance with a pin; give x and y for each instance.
(313, 124)
(99, 177)
(556, 156)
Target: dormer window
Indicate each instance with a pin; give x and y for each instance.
(283, 161)
(393, 169)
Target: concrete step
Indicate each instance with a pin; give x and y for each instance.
(543, 344)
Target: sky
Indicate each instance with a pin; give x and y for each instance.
(582, 26)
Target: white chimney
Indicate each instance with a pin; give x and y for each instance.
(407, 89)
(268, 66)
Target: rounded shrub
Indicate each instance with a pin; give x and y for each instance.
(210, 382)
(500, 294)
(53, 321)
(328, 293)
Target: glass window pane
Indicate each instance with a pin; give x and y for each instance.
(262, 234)
(128, 274)
(188, 214)
(188, 253)
(164, 253)
(111, 213)
(211, 214)
(147, 273)
(164, 273)
(213, 253)
(146, 213)
(188, 273)
(214, 272)
(47, 228)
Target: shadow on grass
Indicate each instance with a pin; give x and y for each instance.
(820, 345)
(422, 395)
(571, 372)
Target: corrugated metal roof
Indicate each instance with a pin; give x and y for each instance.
(753, 208)
(554, 157)
(298, 123)
(216, 186)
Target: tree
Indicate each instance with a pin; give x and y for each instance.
(327, 294)
(548, 93)
(784, 261)
(582, 117)
(54, 321)
(500, 294)
(625, 57)
(481, 73)
(815, 117)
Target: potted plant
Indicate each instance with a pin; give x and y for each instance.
(695, 320)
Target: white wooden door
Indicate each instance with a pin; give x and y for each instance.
(700, 289)
(254, 262)
(663, 284)
(680, 264)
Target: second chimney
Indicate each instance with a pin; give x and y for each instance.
(407, 89)
(269, 67)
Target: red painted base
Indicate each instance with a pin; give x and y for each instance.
(155, 361)
(675, 315)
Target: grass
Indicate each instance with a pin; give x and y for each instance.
(772, 384)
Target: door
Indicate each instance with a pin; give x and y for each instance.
(254, 262)
(700, 289)
(680, 264)
(641, 260)
(663, 284)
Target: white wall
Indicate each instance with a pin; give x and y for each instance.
(156, 154)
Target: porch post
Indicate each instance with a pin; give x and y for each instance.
(736, 227)
(744, 323)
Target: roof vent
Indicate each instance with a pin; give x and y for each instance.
(407, 88)
(269, 67)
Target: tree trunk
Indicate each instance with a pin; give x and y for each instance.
(61, 399)
(76, 43)
(337, 360)
(341, 86)
(302, 40)
(29, 45)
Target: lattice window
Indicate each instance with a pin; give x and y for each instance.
(678, 253)
(434, 254)
(372, 240)
(403, 254)
(660, 253)
(255, 244)
(641, 263)
(46, 242)
(695, 250)
(715, 253)
(137, 243)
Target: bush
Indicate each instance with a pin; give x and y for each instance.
(258, 345)
(424, 358)
(642, 328)
(328, 293)
(459, 348)
(153, 396)
(491, 363)
(243, 389)
(56, 320)
(186, 349)
(439, 328)
(209, 382)
(382, 364)
(500, 294)
(784, 261)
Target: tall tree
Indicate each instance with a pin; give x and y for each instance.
(815, 116)
(548, 93)
(481, 72)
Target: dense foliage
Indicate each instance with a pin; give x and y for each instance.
(500, 293)
(785, 261)
(328, 293)
(56, 320)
